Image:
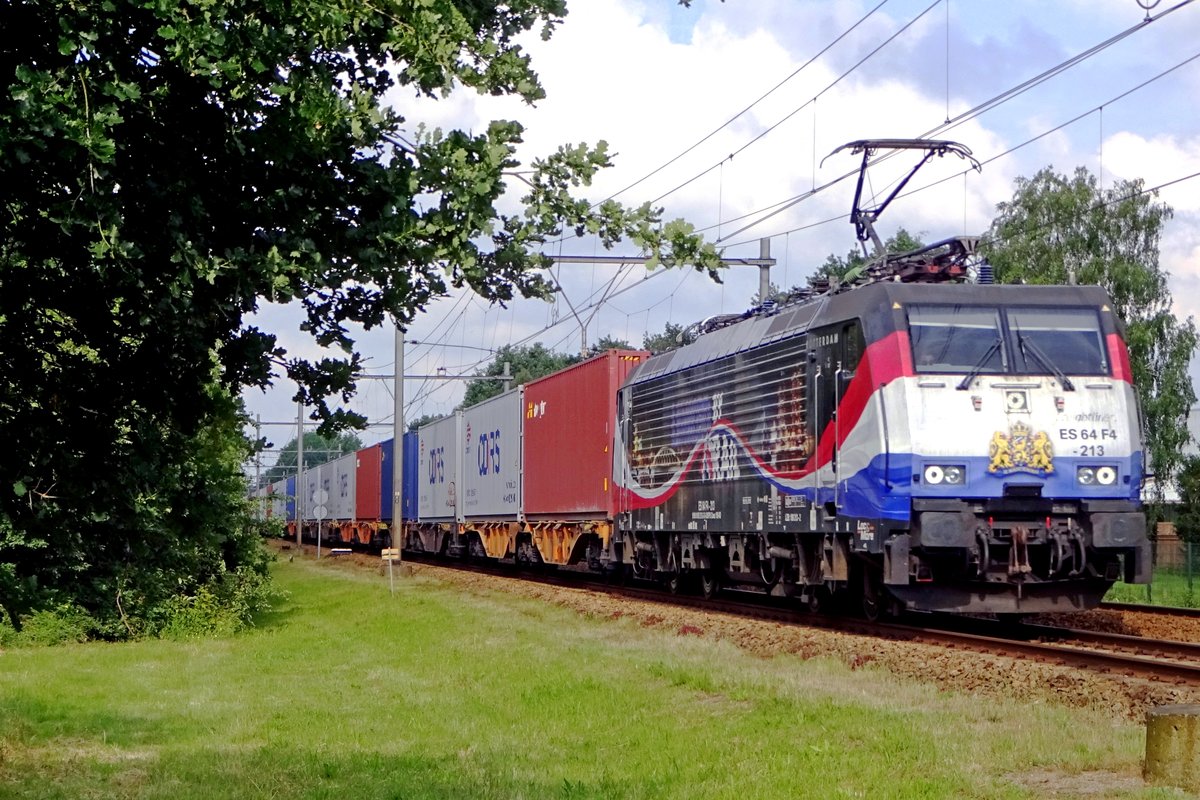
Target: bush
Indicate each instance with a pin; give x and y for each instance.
(221, 607)
(60, 625)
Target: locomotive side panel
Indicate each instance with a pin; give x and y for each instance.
(721, 446)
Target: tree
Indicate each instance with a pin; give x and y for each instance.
(1188, 521)
(318, 449)
(774, 294)
(672, 336)
(190, 523)
(168, 166)
(607, 342)
(423, 420)
(1062, 230)
(526, 362)
(838, 267)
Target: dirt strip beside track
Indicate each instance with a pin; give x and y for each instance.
(949, 669)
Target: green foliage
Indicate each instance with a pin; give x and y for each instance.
(223, 606)
(169, 166)
(422, 421)
(837, 267)
(1056, 229)
(1187, 521)
(672, 336)
(606, 343)
(774, 294)
(317, 450)
(526, 362)
(61, 624)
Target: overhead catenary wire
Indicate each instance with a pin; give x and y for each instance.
(802, 106)
(783, 205)
(1128, 196)
(745, 110)
(841, 217)
(1108, 102)
(966, 116)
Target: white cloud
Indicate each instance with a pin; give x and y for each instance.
(1157, 160)
(613, 72)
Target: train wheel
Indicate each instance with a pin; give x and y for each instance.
(710, 583)
(871, 608)
(674, 583)
(817, 597)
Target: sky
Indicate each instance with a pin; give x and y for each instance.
(652, 79)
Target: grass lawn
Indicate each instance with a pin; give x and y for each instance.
(1167, 588)
(345, 692)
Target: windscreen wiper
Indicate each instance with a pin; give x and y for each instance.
(965, 383)
(1028, 347)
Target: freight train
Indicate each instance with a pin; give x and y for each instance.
(910, 438)
(913, 442)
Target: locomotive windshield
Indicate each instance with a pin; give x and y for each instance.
(976, 340)
(957, 339)
(1069, 338)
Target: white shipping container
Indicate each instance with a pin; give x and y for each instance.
(310, 484)
(491, 457)
(439, 453)
(318, 494)
(341, 490)
(279, 499)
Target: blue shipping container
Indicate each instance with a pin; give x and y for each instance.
(386, 476)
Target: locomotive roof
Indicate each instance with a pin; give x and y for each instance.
(878, 305)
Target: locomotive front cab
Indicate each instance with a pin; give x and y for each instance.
(1026, 450)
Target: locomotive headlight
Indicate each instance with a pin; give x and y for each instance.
(1106, 476)
(936, 474)
(1086, 475)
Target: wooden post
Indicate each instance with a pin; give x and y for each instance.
(1173, 747)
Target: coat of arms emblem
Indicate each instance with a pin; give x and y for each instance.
(1020, 450)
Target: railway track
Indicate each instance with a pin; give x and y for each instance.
(1116, 654)
(1165, 661)
(1172, 611)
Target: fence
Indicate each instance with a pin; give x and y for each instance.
(1175, 580)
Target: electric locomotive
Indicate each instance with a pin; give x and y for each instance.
(909, 438)
(969, 448)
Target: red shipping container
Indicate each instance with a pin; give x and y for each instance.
(366, 482)
(570, 418)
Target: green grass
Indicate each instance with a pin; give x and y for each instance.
(1167, 588)
(346, 692)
